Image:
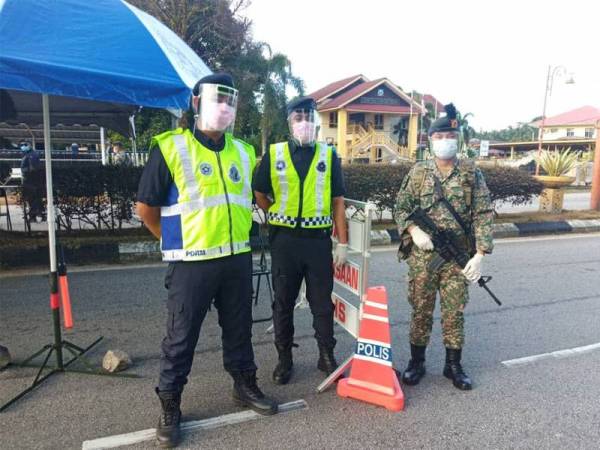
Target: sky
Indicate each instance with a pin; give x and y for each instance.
(489, 57)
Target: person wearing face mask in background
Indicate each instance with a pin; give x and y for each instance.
(300, 185)
(33, 182)
(467, 211)
(195, 195)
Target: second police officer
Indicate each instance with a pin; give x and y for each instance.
(300, 185)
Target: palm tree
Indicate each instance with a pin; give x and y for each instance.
(466, 131)
(278, 77)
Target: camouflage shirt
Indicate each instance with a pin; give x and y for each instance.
(418, 189)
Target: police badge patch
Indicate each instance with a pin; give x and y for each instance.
(234, 174)
(321, 167)
(280, 165)
(206, 169)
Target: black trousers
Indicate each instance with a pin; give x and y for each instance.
(295, 257)
(192, 286)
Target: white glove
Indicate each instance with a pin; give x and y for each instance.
(472, 270)
(340, 255)
(421, 239)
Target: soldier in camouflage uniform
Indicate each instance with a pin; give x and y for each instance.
(463, 185)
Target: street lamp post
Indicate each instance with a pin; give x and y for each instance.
(552, 72)
(595, 200)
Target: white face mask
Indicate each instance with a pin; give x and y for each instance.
(445, 148)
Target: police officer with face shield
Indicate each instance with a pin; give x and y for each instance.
(195, 196)
(454, 195)
(300, 185)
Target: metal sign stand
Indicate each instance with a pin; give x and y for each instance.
(359, 241)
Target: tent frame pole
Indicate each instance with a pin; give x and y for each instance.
(59, 344)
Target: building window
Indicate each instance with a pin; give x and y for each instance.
(553, 130)
(379, 121)
(333, 119)
(570, 132)
(589, 132)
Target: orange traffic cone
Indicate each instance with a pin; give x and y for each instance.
(372, 378)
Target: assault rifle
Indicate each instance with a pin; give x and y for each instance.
(447, 247)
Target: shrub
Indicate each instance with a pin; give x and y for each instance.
(100, 196)
(557, 163)
(103, 196)
(380, 183)
(511, 185)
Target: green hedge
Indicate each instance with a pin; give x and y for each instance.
(380, 183)
(103, 197)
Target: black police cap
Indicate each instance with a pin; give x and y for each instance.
(447, 123)
(307, 103)
(215, 78)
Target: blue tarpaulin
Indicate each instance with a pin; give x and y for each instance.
(104, 50)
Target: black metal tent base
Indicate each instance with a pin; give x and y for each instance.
(77, 353)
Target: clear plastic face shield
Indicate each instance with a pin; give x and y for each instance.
(304, 126)
(215, 108)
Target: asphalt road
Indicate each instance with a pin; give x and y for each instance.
(550, 289)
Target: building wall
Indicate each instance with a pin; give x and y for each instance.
(326, 132)
(560, 132)
(389, 121)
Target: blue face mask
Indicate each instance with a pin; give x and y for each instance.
(25, 148)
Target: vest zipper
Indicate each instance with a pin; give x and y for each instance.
(227, 200)
(301, 200)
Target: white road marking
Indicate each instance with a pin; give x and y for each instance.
(205, 424)
(556, 355)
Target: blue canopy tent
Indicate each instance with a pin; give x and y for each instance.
(102, 50)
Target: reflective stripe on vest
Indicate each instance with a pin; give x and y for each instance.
(316, 203)
(198, 226)
(207, 253)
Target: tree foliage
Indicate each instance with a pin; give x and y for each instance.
(523, 132)
(222, 37)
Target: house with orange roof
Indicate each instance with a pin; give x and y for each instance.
(368, 120)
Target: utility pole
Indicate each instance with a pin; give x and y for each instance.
(595, 199)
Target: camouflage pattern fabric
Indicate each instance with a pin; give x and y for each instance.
(464, 187)
(423, 286)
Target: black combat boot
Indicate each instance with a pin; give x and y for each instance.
(167, 431)
(283, 370)
(453, 370)
(327, 362)
(247, 393)
(416, 366)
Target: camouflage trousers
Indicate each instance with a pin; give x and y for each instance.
(423, 286)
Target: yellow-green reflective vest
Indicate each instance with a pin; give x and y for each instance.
(209, 207)
(308, 201)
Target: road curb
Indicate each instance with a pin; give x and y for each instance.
(108, 252)
(507, 230)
